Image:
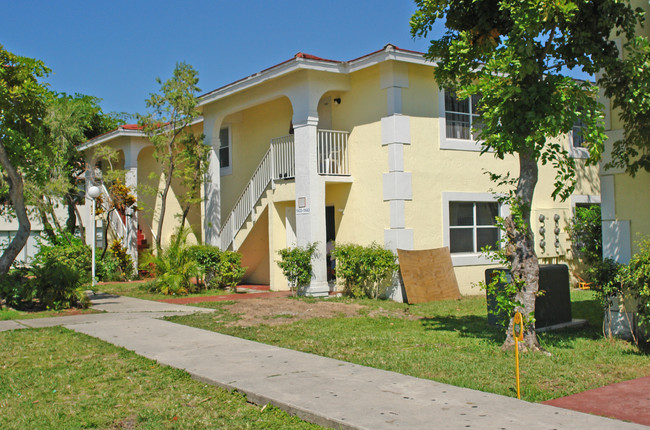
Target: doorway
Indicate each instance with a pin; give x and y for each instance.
(330, 236)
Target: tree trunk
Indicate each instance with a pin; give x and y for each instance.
(79, 220)
(15, 182)
(47, 227)
(525, 266)
(71, 222)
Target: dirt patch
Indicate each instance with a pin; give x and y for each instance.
(277, 311)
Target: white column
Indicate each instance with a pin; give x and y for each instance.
(88, 207)
(310, 200)
(131, 222)
(212, 183)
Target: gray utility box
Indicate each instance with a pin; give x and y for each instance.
(553, 307)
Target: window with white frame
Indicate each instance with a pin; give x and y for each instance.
(225, 151)
(459, 121)
(472, 226)
(461, 116)
(469, 223)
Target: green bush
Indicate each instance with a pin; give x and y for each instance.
(221, 269)
(16, 289)
(363, 269)
(60, 270)
(58, 285)
(295, 264)
(230, 272)
(585, 232)
(124, 260)
(72, 253)
(107, 269)
(177, 273)
(634, 281)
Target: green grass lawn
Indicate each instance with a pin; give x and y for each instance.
(12, 314)
(137, 290)
(58, 379)
(451, 342)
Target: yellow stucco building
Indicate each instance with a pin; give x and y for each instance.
(625, 202)
(360, 151)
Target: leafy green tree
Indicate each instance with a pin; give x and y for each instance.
(513, 54)
(627, 84)
(23, 103)
(70, 121)
(177, 148)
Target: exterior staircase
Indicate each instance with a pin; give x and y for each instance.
(279, 164)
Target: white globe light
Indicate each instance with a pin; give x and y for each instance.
(94, 192)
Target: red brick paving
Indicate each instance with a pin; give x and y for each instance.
(628, 401)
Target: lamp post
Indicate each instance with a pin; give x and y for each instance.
(93, 193)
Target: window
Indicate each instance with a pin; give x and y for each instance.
(225, 151)
(577, 144)
(577, 140)
(469, 224)
(460, 117)
(472, 226)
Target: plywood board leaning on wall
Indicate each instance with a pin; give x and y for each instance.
(428, 275)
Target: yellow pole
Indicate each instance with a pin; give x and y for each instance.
(517, 322)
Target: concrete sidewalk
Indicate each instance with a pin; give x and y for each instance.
(321, 390)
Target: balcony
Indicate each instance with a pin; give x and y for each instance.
(333, 159)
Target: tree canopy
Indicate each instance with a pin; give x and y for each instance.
(514, 54)
(178, 149)
(23, 104)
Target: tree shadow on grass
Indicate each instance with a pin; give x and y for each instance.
(472, 326)
(466, 326)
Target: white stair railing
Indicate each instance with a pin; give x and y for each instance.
(284, 165)
(245, 205)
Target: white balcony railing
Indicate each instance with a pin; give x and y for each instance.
(333, 153)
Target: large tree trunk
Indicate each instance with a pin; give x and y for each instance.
(15, 182)
(525, 266)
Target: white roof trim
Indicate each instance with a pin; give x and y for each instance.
(298, 63)
(120, 132)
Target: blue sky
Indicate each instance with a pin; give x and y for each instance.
(114, 50)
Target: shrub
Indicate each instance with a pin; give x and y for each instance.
(108, 269)
(146, 265)
(16, 289)
(295, 264)
(124, 260)
(60, 271)
(585, 232)
(58, 285)
(634, 281)
(363, 269)
(230, 272)
(177, 273)
(73, 254)
(221, 269)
